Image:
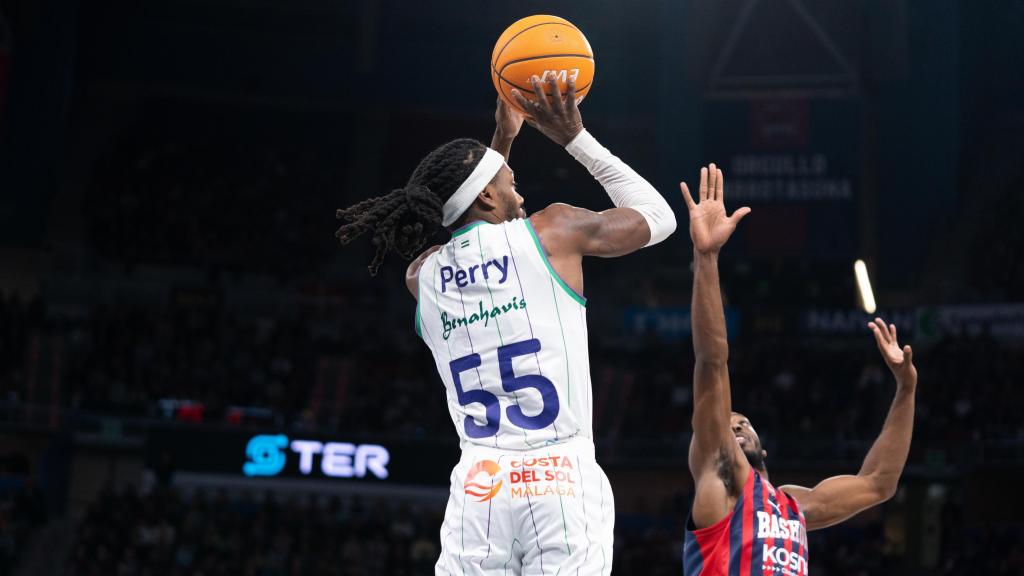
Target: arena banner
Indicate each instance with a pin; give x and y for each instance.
(1004, 322)
(795, 162)
(277, 454)
(671, 323)
(854, 321)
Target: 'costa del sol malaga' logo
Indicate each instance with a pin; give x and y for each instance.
(267, 455)
(483, 491)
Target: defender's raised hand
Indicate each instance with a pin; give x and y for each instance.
(900, 360)
(710, 227)
(557, 117)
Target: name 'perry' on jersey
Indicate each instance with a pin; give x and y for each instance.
(508, 336)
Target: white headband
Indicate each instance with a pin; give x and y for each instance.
(464, 197)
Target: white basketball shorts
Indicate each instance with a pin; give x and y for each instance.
(536, 512)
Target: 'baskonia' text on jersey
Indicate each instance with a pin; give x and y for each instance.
(766, 535)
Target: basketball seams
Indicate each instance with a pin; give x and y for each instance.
(531, 27)
(518, 60)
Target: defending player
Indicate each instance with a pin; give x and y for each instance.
(740, 523)
(500, 306)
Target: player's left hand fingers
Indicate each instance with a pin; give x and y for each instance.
(720, 186)
(555, 93)
(523, 101)
(504, 111)
(542, 99)
(570, 92)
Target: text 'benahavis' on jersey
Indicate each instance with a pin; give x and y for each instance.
(766, 535)
(509, 338)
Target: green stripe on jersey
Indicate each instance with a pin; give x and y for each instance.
(543, 256)
(497, 323)
(467, 228)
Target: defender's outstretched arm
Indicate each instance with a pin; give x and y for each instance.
(717, 463)
(840, 497)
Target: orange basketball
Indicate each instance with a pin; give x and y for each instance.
(541, 46)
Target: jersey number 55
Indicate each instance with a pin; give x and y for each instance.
(510, 383)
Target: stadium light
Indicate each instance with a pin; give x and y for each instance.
(867, 297)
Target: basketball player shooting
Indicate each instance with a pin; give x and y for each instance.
(501, 307)
(740, 523)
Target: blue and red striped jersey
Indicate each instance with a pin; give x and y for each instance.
(766, 535)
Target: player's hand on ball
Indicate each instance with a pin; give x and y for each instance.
(508, 120)
(900, 360)
(710, 227)
(557, 117)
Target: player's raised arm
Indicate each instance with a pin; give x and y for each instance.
(717, 462)
(840, 497)
(641, 217)
(507, 122)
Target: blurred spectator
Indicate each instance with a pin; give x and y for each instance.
(311, 372)
(209, 534)
(167, 532)
(21, 509)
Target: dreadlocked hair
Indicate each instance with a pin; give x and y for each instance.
(408, 217)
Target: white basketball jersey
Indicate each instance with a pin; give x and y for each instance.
(509, 338)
